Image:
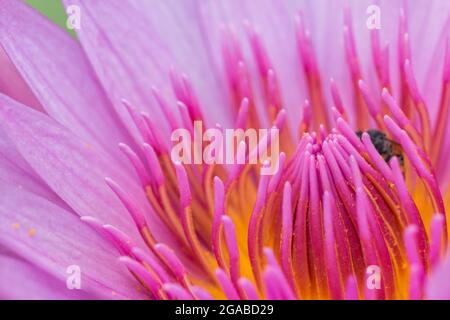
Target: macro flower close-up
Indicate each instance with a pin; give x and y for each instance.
(225, 149)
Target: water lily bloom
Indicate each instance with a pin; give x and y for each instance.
(93, 207)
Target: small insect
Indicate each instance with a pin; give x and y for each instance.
(386, 148)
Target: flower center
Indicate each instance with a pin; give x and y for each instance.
(341, 206)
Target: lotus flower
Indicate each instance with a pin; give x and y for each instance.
(356, 209)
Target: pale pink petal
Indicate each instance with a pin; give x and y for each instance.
(73, 168)
(129, 58)
(16, 172)
(21, 280)
(56, 70)
(13, 85)
(53, 239)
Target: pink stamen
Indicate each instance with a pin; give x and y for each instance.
(177, 292)
(183, 186)
(143, 274)
(152, 262)
(276, 178)
(280, 119)
(286, 233)
(259, 52)
(411, 81)
(373, 107)
(370, 255)
(244, 81)
(385, 66)
(316, 225)
(233, 249)
(273, 266)
(275, 287)
(351, 291)
(184, 92)
(332, 266)
(436, 239)
(185, 117)
(122, 241)
(338, 177)
(242, 118)
(136, 163)
(253, 229)
(396, 111)
(200, 293)
(153, 163)
(361, 202)
(159, 143)
(165, 108)
(226, 284)
(307, 114)
(272, 288)
(305, 49)
(300, 236)
(411, 244)
(138, 121)
(173, 262)
(350, 47)
(231, 55)
(97, 225)
(191, 98)
(177, 87)
(349, 149)
(347, 132)
(403, 43)
(380, 57)
(410, 208)
(409, 147)
(336, 96)
(446, 73)
(273, 91)
(237, 168)
(412, 152)
(135, 213)
(336, 115)
(416, 281)
(376, 158)
(248, 288)
(219, 210)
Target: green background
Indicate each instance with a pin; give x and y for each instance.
(53, 9)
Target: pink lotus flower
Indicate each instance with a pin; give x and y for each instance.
(344, 216)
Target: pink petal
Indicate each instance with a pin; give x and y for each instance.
(131, 57)
(73, 169)
(52, 239)
(12, 84)
(16, 172)
(22, 280)
(56, 70)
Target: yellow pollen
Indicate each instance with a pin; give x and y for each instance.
(31, 232)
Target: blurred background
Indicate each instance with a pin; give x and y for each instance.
(53, 9)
